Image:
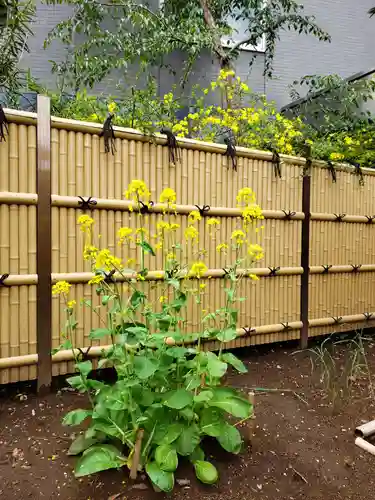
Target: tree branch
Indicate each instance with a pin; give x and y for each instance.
(210, 22)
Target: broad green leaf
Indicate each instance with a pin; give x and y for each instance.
(81, 443)
(162, 479)
(137, 298)
(179, 302)
(179, 399)
(234, 405)
(147, 247)
(166, 458)
(211, 422)
(142, 396)
(198, 454)
(206, 472)
(174, 282)
(230, 438)
(215, 367)
(187, 413)
(145, 367)
(95, 384)
(177, 352)
(64, 346)
(192, 382)
(203, 396)
(85, 367)
(231, 359)
(77, 383)
(169, 433)
(108, 428)
(76, 417)
(97, 458)
(99, 333)
(188, 440)
(227, 335)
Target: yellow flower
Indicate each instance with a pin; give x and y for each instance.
(71, 304)
(90, 252)
(85, 221)
(140, 277)
(191, 233)
(158, 246)
(94, 118)
(194, 216)
(255, 251)
(254, 277)
(198, 269)
(202, 286)
(61, 288)
(141, 230)
(213, 222)
(173, 227)
(246, 196)
(222, 247)
(96, 280)
(348, 141)
(336, 156)
(124, 234)
(137, 191)
(239, 236)
(163, 299)
(252, 213)
(105, 260)
(171, 256)
(112, 107)
(168, 195)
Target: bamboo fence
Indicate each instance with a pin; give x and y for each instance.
(319, 235)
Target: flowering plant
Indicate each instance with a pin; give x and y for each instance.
(168, 394)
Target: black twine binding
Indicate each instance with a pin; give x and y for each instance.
(368, 316)
(326, 268)
(248, 331)
(276, 162)
(358, 171)
(356, 267)
(339, 217)
(3, 124)
(84, 355)
(226, 272)
(3, 278)
(172, 144)
(370, 218)
(109, 135)
(337, 319)
(88, 204)
(288, 214)
(109, 277)
(332, 170)
(203, 211)
(286, 326)
(145, 208)
(273, 271)
(231, 152)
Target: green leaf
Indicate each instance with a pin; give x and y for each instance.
(227, 335)
(82, 443)
(177, 352)
(206, 472)
(145, 367)
(77, 383)
(105, 299)
(231, 359)
(99, 333)
(234, 405)
(211, 422)
(169, 433)
(162, 479)
(179, 399)
(203, 396)
(215, 367)
(85, 367)
(147, 247)
(188, 440)
(76, 417)
(137, 298)
(174, 282)
(230, 438)
(198, 454)
(166, 458)
(97, 458)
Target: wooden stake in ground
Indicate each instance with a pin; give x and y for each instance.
(251, 422)
(137, 454)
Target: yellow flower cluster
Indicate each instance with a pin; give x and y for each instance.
(255, 251)
(336, 156)
(251, 214)
(90, 252)
(85, 221)
(105, 260)
(194, 217)
(112, 106)
(96, 280)
(198, 269)
(191, 233)
(222, 247)
(168, 195)
(125, 234)
(61, 288)
(245, 196)
(137, 191)
(238, 236)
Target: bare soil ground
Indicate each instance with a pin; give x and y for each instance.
(301, 450)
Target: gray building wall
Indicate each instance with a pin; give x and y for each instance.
(350, 51)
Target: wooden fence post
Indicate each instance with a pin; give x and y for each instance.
(305, 260)
(44, 245)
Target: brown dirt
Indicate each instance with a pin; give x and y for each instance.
(300, 451)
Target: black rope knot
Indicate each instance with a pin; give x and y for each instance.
(339, 217)
(332, 170)
(356, 267)
(172, 145)
(3, 124)
(326, 268)
(88, 204)
(358, 171)
(204, 210)
(276, 163)
(370, 218)
(109, 135)
(288, 214)
(226, 272)
(248, 331)
(109, 277)
(3, 278)
(273, 271)
(231, 151)
(84, 355)
(145, 207)
(337, 319)
(286, 326)
(368, 316)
